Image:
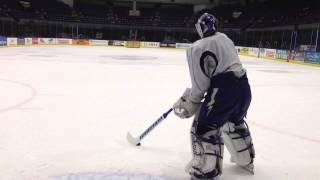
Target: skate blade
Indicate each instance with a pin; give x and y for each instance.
(249, 168)
(188, 167)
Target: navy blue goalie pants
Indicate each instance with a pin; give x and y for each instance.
(227, 100)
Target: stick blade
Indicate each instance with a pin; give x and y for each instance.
(132, 140)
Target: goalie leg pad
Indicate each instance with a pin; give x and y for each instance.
(238, 141)
(207, 155)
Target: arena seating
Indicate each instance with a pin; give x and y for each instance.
(253, 16)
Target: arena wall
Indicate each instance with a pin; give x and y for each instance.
(294, 56)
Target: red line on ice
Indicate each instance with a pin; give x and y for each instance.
(25, 101)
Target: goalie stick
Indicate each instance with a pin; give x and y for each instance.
(136, 141)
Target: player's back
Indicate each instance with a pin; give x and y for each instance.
(223, 51)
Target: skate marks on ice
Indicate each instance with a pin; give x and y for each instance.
(286, 133)
(129, 57)
(112, 176)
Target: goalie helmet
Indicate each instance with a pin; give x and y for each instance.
(206, 25)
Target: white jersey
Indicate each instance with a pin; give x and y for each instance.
(209, 57)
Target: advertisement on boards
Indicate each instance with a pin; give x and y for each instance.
(21, 41)
(3, 41)
(12, 41)
(312, 57)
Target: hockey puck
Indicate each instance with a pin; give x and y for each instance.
(138, 144)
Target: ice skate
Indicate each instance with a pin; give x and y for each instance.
(249, 168)
(187, 170)
(195, 178)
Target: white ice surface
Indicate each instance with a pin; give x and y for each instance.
(65, 112)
